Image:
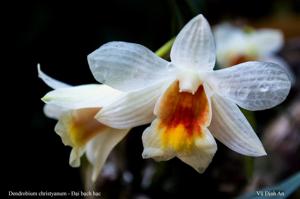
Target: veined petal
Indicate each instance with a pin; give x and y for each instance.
(132, 109)
(76, 128)
(194, 46)
(127, 66)
(100, 147)
(202, 152)
(252, 85)
(231, 127)
(91, 95)
(267, 41)
(283, 64)
(51, 82)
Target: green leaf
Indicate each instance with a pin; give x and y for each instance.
(280, 191)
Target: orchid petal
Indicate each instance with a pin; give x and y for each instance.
(268, 41)
(194, 46)
(198, 156)
(233, 45)
(51, 82)
(252, 85)
(92, 95)
(131, 109)
(231, 127)
(127, 66)
(153, 146)
(100, 147)
(76, 128)
(283, 64)
(53, 111)
(202, 152)
(75, 155)
(224, 31)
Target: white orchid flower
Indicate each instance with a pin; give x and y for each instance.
(194, 104)
(240, 44)
(75, 108)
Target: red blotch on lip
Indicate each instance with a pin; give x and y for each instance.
(182, 116)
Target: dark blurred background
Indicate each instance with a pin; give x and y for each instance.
(59, 36)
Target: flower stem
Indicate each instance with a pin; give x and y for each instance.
(249, 167)
(165, 49)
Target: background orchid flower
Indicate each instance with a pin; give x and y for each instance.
(240, 44)
(75, 108)
(194, 104)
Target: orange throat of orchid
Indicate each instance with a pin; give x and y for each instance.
(182, 117)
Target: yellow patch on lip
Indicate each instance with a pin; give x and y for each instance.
(83, 126)
(182, 116)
